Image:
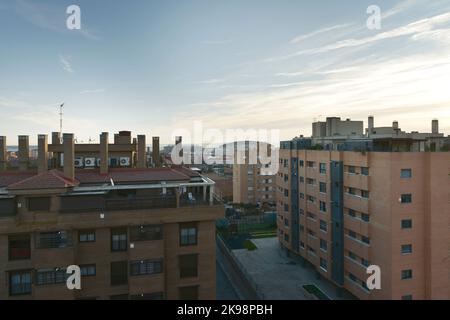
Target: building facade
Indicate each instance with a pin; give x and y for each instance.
(135, 233)
(343, 211)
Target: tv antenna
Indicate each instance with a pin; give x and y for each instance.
(61, 119)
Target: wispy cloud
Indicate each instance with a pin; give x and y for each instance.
(91, 91)
(211, 81)
(65, 63)
(318, 32)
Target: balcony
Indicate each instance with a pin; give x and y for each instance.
(139, 203)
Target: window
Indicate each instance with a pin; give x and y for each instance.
(301, 227)
(286, 222)
(352, 213)
(406, 249)
(19, 283)
(323, 245)
(323, 264)
(365, 262)
(406, 224)
(365, 194)
(323, 225)
(145, 267)
(188, 265)
(286, 192)
(188, 293)
(406, 274)
(57, 239)
(19, 247)
(119, 239)
(302, 245)
(311, 250)
(310, 164)
(286, 208)
(407, 297)
(188, 234)
(86, 236)
(322, 168)
(311, 199)
(352, 234)
(119, 273)
(323, 187)
(88, 270)
(351, 191)
(51, 276)
(146, 233)
(302, 196)
(406, 198)
(365, 239)
(352, 255)
(302, 179)
(365, 217)
(148, 296)
(310, 181)
(39, 204)
(322, 206)
(286, 237)
(302, 163)
(406, 173)
(351, 169)
(364, 171)
(353, 277)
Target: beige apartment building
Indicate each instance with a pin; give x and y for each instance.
(135, 232)
(344, 210)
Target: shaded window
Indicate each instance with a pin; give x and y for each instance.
(119, 239)
(323, 245)
(323, 168)
(365, 239)
(322, 206)
(19, 283)
(88, 270)
(86, 236)
(406, 198)
(364, 171)
(406, 249)
(119, 273)
(146, 233)
(351, 213)
(188, 293)
(39, 204)
(406, 274)
(365, 194)
(323, 187)
(7, 207)
(188, 234)
(145, 267)
(351, 169)
(365, 217)
(188, 265)
(323, 264)
(406, 224)
(323, 225)
(57, 239)
(19, 247)
(406, 173)
(51, 276)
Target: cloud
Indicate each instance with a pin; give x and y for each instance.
(318, 32)
(65, 63)
(216, 42)
(211, 81)
(92, 91)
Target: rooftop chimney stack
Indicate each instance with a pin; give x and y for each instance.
(142, 150)
(435, 126)
(395, 125)
(69, 155)
(24, 152)
(104, 152)
(42, 153)
(56, 138)
(155, 152)
(3, 154)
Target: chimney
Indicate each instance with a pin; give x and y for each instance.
(69, 155)
(155, 152)
(24, 152)
(42, 153)
(104, 152)
(371, 124)
(3, 154)
(56, 138)
(142, 152)
(435, 126)
(395, 125)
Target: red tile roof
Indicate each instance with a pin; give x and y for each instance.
(10, 177)
(53, 179)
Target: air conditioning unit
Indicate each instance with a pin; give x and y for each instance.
(97, 162)
(79, 162)
(89, 162)
(124, 161)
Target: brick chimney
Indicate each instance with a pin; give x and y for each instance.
(24, 152)
(69, 155)
(104, 152)
(3, 154)
(155, 152)
(142, 151)
(42, 153)
(435, 126)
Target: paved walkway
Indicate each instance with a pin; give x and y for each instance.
(278, 277)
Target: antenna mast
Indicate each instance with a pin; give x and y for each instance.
(61, 119)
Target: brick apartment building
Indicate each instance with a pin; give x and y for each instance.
(369, 200)
(135, 232)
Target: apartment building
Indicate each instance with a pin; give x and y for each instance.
(345, 210)
(253, 182)
(136, 233)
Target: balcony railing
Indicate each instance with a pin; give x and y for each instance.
(141, 203)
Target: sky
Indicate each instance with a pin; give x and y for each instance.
(154, 66)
